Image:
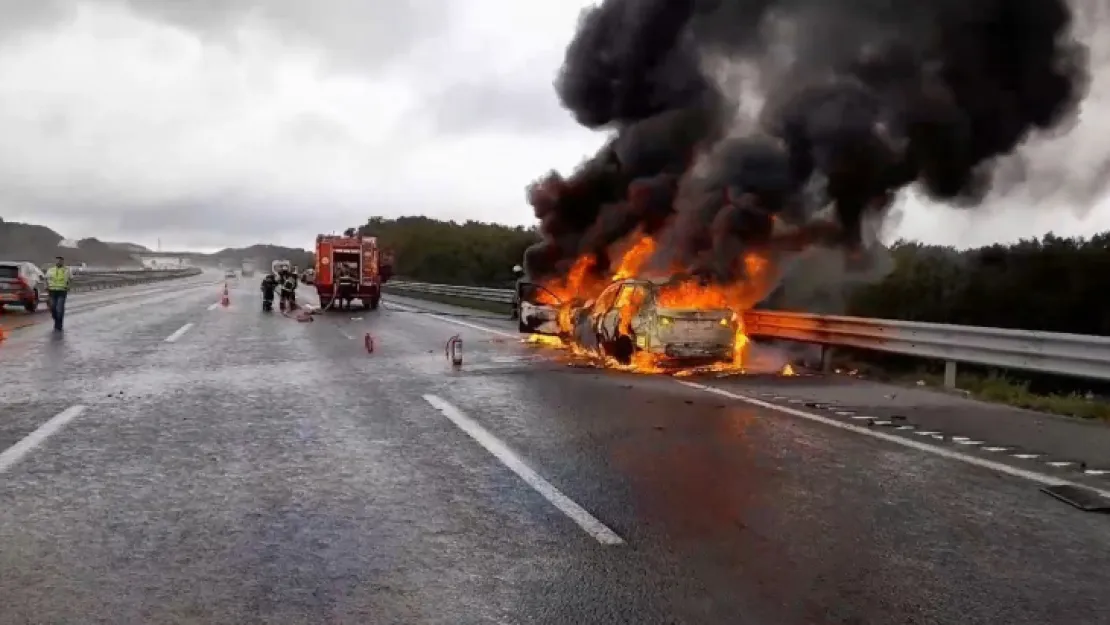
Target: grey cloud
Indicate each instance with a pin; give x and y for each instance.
(525, 105)
(354, 33)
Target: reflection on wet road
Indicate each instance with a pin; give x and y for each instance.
(172, 461)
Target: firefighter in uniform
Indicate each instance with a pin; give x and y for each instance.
(288, 290)
(347, 285)
(57, 288)
(269, 287)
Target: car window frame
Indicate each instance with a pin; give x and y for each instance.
(597, 309)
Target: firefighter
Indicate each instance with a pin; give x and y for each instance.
(269, 286)
(347, 284)
(288, 289)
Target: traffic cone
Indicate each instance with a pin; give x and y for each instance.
(3, 334)
(225, 301)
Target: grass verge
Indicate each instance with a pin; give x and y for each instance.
(999, 389)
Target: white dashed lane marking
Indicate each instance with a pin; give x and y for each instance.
(18, 451)
(510, 459)
(180, 332)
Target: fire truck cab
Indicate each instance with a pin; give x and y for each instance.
(359, 255)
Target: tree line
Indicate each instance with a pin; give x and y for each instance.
(1052, 283)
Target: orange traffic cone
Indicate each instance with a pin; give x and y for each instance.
(226, 299)
(3, 333)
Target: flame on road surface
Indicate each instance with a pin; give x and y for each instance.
(582, 284)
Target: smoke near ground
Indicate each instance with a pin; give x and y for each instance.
(771, 125)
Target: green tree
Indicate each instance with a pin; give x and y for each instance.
(471, 253)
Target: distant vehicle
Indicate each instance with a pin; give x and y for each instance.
(230, 273)
(372, 267)
(676, 336)
(308, 276)
(21, 283)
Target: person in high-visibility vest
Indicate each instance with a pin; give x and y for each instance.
(58, 278)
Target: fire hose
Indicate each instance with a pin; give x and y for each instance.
(307, 315)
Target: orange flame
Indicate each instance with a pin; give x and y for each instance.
(635, 258)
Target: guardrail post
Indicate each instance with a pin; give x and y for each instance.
(950, 374)
(827, 353)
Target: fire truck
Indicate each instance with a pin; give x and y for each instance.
(370, 265)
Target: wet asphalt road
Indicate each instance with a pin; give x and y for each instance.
(259, 470)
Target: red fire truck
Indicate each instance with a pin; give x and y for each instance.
(370, 266)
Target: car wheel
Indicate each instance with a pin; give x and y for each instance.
(33, 304)
(621, 349)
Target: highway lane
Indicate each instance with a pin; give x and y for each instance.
(106, 337)
(261, 470)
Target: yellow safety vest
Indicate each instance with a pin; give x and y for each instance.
(57, 279)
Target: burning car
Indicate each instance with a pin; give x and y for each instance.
(631, 320)
(630, 317)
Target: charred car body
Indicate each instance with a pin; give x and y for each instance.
(629, 316)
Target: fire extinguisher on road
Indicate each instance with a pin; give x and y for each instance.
(454, 350)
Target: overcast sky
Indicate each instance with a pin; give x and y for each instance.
(209, 123)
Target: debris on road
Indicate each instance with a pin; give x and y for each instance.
(1086, 499)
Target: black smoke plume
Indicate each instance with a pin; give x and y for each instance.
(860, 98)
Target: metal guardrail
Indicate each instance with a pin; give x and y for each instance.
(501, 296)
(1077, 355)
(95, 281)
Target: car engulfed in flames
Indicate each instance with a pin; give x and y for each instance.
(662, 323)
(631, 324)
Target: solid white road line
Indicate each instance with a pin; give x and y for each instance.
(214, 306)
(179, 333)
(501, 451)
(999, 467)
(16, 452)
(458, 322)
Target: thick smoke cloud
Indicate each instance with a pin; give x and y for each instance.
(860, 98)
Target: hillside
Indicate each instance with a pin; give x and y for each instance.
(263, 256)
(39, 244)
